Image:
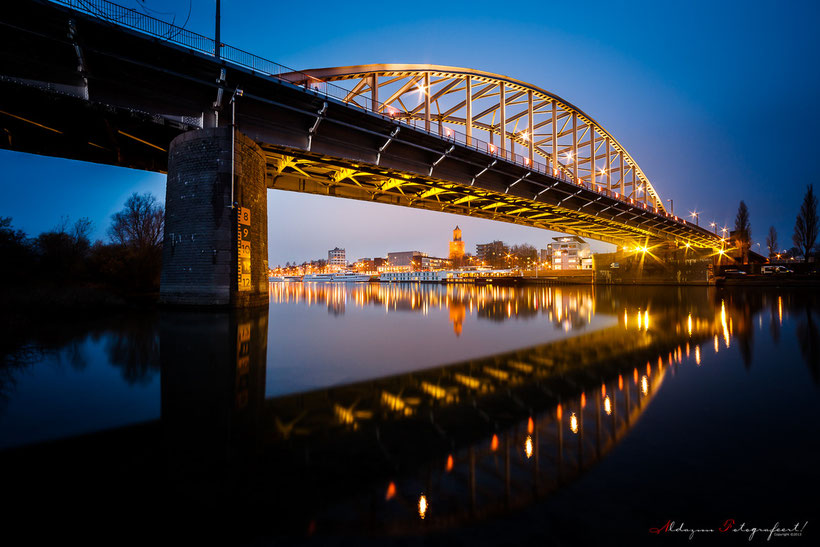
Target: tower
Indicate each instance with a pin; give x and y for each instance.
(457, 248)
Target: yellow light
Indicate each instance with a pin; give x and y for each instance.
(422, 506)
(689, 324)
(643, 249)
(644, 385)
(697, 355)
(573, 423)
(607, 405)
(646, 320)
(528, 447)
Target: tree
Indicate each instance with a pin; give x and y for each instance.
(806, 225)
(138, 232)
(140, 224)
(771, 241)
(743, 231)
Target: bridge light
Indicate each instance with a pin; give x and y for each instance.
(525, 135)
(569, 157)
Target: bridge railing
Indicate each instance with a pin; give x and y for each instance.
(136, 20)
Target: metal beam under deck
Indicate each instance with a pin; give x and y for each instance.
(297, 171)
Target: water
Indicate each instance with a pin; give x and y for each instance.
(345, 413)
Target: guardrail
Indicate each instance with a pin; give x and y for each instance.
(135, 20)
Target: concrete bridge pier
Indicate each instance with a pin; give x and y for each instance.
(215, 254)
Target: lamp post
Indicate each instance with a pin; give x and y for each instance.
(696, 216)
(671, 206)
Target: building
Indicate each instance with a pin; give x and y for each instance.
(424, 262)
(457, 247)
(570, 253)
(545, 256)
(492, 254)
(336, 258)
(402, 261)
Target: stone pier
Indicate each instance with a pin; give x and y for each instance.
(215, 254)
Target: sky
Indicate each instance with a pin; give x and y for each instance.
(716, 101)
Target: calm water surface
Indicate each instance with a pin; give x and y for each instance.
(370, 414)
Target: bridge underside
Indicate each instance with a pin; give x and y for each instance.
(296, 171)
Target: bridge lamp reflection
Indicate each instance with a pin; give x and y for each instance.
(422, 506)
(528, 446)
(607, 405)
(644, 385)
(573, 423)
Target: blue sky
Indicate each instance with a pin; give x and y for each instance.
(717, 101)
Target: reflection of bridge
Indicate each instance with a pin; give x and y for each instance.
(457, 434)
(76, 86)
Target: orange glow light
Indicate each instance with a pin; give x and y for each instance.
(530, 425)
(449, 466)
(391, 491)
(494, 443)
(583, 400)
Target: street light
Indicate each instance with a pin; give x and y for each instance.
(696, 216)
(713, 225)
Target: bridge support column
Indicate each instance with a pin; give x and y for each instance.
(215, 255)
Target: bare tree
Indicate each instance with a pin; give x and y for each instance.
(743, 231)
(806, 225)
(771, 241)
(140, 223)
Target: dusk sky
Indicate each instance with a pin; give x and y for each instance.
(717, 102)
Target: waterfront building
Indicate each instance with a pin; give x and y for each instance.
(457, 247)
(570, 253)
(402, 261)
(492, 254)
(336, 258)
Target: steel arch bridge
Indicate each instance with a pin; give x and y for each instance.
(438, 138)
(504, 116)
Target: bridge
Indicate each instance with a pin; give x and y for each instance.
(94, 81)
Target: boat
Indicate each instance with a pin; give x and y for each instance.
(350, 277)
(317, 278)
(275, 278)
(293, 278)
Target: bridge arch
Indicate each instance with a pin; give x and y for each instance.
(503, 114)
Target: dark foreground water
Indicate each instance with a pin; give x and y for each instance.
(418, 414)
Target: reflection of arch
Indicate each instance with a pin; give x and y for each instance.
(462, 430)
(506, 112)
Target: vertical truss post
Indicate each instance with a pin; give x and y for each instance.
(606, 166)
(554, 138)
(427, 101)
(592, 180)
(503, 117)
(621, 172)
(632, 193)
(469, 116)
(575, 171)
(374, 93)
(530, 130)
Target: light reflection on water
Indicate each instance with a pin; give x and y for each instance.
(408, 391)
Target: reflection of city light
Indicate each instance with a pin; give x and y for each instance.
(780, 309)
(607, 405)
(573, 423)
(449, 466)
(697, 355)
(689, 324)
(646, 320)
(391, 491)
(530, 425)
(644, 385)
(528, 447)
(559, 412)
(620, 382)
(716, 343)
(603, 390)
(687, 350)
(639, 320)
(494, 443)
(635, 375)
(422, 506)
(723, 323)
(583, 400)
